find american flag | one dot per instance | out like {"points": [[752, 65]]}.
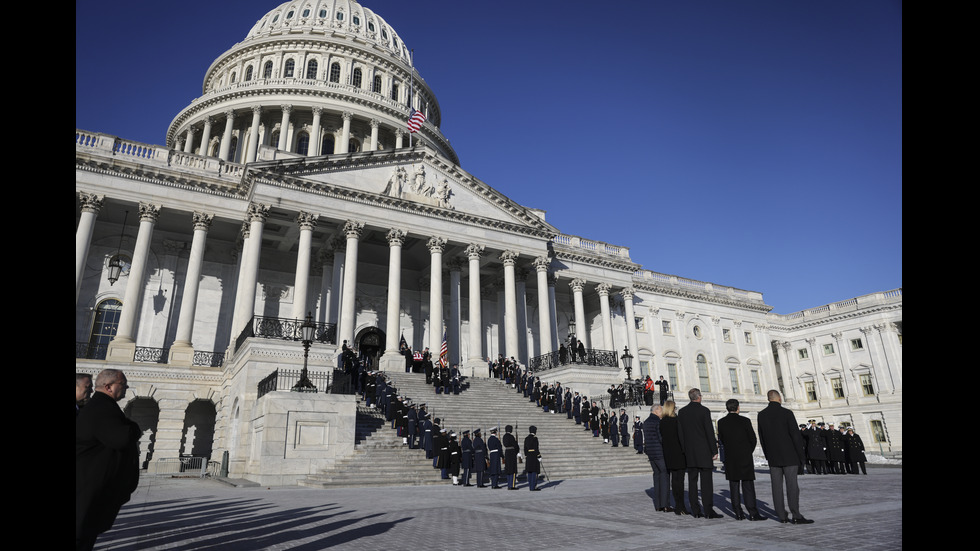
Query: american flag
{"points": [[403, 343], [415, 121], [444, 352]]}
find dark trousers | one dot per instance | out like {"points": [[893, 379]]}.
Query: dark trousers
{"points": [[779, 475], [707, 505], [677, 488], [747, 495], [661, 482]]}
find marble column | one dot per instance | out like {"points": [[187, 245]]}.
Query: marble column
{"points": [[189, 141], [307, 223], [374, 134], [253, 134], [257, 214], [436, 246], [245, 230], [581, 329], [603, 290], [225, 148], [455, 266], [511, 347], [553, 311], [182, 350], [627, 294], [339, 246], [474, 355], [541, 265], [206, 135], [392, 360], [315, 139], [353, 231], [123, 346], [284, 128], [399, 138], [344, 144], [523, 347], [91, 205]]}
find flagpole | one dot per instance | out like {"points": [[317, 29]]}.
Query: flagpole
{"points": [[411, 90]]}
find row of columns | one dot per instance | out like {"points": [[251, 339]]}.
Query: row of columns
{"points": [[224, 150]]}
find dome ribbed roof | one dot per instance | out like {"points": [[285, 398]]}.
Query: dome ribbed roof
{"points": [[330, 17]]}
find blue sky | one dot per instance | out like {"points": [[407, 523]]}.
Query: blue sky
{"points": [[756, 144]]}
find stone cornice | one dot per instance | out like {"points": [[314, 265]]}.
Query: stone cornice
{"points": [[700, 296], [583, 257], [780, 324], [177, 177]]}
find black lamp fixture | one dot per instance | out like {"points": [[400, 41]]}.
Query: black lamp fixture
{"points": [[627, 362], [115, 264], [308, 331]]}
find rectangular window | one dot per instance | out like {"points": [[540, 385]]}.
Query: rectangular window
{"points": [[640, 324], [726, 334], [803, 353], [644, 369], [666, 326], [672, 374], [733, 375], [838, 385], [866, 385], [811, 392], [856, 344], [748, 337], [877, 431], [828, 349], [756, 385]]}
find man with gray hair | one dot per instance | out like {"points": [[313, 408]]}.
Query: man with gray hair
{"points": [[697, 436], [653, 445], [783, 445]]}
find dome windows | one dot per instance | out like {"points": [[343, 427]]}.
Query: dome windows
{"points": [[248, 73], [289, 68], [311, 68], [306, 12], [322, 14], [376, 85], [384, 34], [335, 72], [275, 19], [356, 79], [371, 26], [340, 16], [267, 70], [356, 20], [289, 15], [394, 91]]}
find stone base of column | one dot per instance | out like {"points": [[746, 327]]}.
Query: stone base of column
{"points": [[392, 362], [474, 368], [121, 351], [181, 354]]}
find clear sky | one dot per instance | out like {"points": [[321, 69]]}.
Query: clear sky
{"points": [[750, 143]]}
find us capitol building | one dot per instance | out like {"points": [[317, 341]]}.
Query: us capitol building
{"points": [[291, 187]]}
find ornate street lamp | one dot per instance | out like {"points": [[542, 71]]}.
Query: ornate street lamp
{"points": [[627, 362], [308, 330], [115, 264]]}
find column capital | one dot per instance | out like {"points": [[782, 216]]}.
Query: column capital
{"points": [[395, 237], [628, 293], [91, 202], [246, 230], [603, 289], [202, 220], [149, 212], [436, 245], [229, 115], [257, 212], [347, 116], [307, 220], [399, 132], [577, 284], [256, 110], [374, 123], [191, 131], [286, 108], [542, 263], [474, 251], [353, 229], [509, 258], [317, 110], [208, 121]]}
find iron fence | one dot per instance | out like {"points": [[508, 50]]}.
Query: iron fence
{"points": [[186, 465], [593, 357], [90, 351], [287, 329], [146, 354], [208, 359], [333, 382]]}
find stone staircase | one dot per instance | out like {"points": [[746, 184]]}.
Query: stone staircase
{"points": [[568, 450]]}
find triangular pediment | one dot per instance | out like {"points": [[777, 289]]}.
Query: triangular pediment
{"points": [[413, 180]]}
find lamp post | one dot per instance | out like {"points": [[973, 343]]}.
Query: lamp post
{"points": [[627, 362], [115, 263], [308, 330]]}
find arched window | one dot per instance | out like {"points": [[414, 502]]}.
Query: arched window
{"points": [[267, 70], [290, 66], [703, 379], [104, 328], [311, 67], [326, 148], [303, 144], [376, 86], [340, 16], [233, 76], [353, 146], [394, 91], [356, 20], [248, 73], [335, 72], [357, 78]]}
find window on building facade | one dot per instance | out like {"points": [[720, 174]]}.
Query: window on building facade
{"points": [[697, 332], [289, 15], [866, 385], [356, 79], [335, 72], [733, 376], [640, 324], [311, 68], [803, 353], [104, 328], [666, 327], [672, 374], [353, 146], [303, 144], [703, 380], [756, 385], [376, 85], [356, 20], [644, 369], [340, 16], [290, 68], [306, 12], [233, 75], [856, 344], [248, 73], [326, 148], [748, 337], [370, 26], [267, 70], [828, 349], [811, 391], [394, 91], [323, 13], [726, 334], [838, 386], [877, 431]]}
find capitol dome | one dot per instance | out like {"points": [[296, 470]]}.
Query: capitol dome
{"points": [[311, 77]]}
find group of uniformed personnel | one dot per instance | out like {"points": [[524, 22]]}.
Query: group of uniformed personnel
{"points": [[832, 451]]}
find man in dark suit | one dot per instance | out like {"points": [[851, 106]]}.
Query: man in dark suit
{"points": [[655, 453], [736, 435], [697, 436], [83, 390], [533, 465], [511, 450], [783, 445], [106, 459]]}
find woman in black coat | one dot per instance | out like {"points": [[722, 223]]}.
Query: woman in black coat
{"points": [[855, 451], [674, 455]]}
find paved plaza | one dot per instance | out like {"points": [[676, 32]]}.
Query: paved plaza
{"points": [[613, 513]]}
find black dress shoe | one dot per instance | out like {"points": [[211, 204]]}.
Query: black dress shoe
{"points": [[668, 509], [757, 517], [713, 514], [536, 489], [802, 520], [681, 512], [511, 488], [785, 521], [739, 515], [697, 515]]}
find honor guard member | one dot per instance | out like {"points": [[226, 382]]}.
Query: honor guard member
{"points": [[444, 454], [479, 458], [433, 453], [533, 455], [495, 455], [638, 435], [624, 427], [413, 421], [568, 404], [454, 458], [466, 449], [586, 412], [511, 450], [577, 409]]}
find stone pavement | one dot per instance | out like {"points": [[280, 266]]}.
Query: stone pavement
{"points": [[613, 513]]}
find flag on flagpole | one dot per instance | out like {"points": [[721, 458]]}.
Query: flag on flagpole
{"points": [[415, 121], [402, 344], [444, 352]]}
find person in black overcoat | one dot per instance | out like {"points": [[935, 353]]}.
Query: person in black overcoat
{"points": [[106, 459], [466, 448], [455, 458], [736, 435], [479, 458], [674, 455], [855, 451], [495, 456], [697, 435], [638, 435], [533, 456], [511, 449], [653, 440], [783, 445]]}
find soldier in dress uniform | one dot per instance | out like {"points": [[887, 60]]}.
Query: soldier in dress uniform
{"points": [[466, 450], [455, 458], [413, 420], [624, 427], [444, 454], [495, 455], [533, 455], [577, 408], [479, 458], [855, 448], [511, 450], [568, 404], [835, 449], [638, 435]]}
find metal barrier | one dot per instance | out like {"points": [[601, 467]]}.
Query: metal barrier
{"points": [[188, 466]]}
